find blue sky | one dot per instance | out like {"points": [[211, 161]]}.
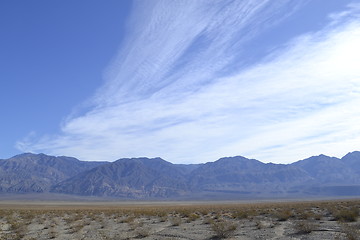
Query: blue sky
{"points": [[189, 81]]}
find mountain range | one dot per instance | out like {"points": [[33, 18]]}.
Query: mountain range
{"points": [[154, 178]]}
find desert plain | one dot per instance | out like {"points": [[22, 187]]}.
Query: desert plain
{"points": [[325, 219]]}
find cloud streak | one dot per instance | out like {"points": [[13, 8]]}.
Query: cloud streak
{"points": [[177, 90]]}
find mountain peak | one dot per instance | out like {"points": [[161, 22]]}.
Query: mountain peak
{"points": [[27, 154], [236, 159], [141, 159], [352, 154]]}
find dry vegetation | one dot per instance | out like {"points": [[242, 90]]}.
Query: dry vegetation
{"points": [[285, 220]]}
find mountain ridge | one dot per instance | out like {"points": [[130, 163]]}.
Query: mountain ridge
{"points": [[155, 178]]}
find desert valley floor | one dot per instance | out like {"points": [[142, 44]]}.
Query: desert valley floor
{"points": [[336, 219]]}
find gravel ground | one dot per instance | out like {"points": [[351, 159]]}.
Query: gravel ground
{"points": [[332, 220]]}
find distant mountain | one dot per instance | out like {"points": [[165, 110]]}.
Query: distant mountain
{"points": [[329, 170], [144, 178], [38, 172], [352, 160], [332, 176], [131, 178], [239, 174]]}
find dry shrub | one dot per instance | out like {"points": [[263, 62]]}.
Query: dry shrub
{"points": [[184, 212], [351, 232], [208, 220], [52, 234], [259, 225], [303, 214], [240, 214], [317, 216], [175, 221], [305, 227], [192, 217], [76, 228], [283, 215], [142, 232], [128, 219], [163, 218], [346, 215], [223, 229]]}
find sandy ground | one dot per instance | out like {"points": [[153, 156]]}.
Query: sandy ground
{"points": [[308, 220]]}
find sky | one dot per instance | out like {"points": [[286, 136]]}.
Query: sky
{"points": [[190, 81]]}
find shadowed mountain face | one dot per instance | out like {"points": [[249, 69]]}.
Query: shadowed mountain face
{"points": [[132, 178], [329, 170], [352, 160], [38, 172], [144, 178], [242, 174]]}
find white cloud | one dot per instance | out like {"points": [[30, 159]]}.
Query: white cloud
{"points": [[164, 99]]}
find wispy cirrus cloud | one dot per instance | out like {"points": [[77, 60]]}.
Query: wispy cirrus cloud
{"points": [[177, 90]]}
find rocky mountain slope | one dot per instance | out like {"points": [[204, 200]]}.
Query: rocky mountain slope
{"points": [[136, 177], [144, 178], [242, 175], [28, 172]]}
